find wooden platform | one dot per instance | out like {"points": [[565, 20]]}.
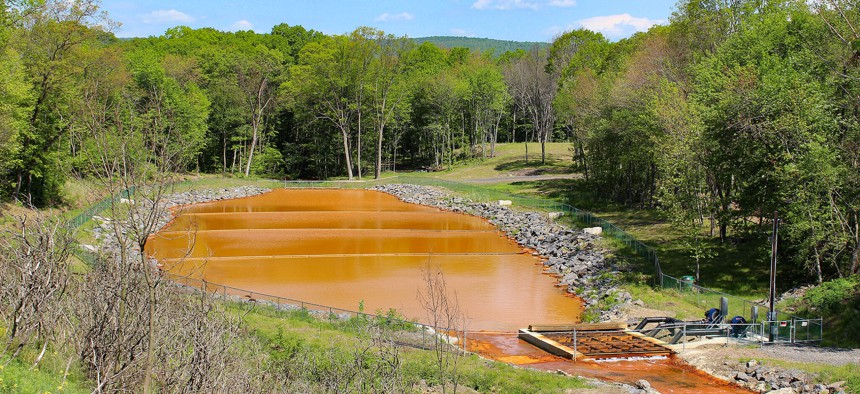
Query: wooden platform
{"points": [[589, 341]]}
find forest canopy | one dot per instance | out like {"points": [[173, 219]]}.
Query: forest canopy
{"points": [[729, 112]]}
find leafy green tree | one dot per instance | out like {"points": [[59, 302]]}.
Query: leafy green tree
{"points": [[172, 114], [321, 84], [49, 38], [839, 47], [258, 74], [486, 97], [388, 86], [682, 189], [533, 85], [15, 103]]}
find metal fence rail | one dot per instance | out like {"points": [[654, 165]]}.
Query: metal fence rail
{"points": [[425, 336], [752, 333]]}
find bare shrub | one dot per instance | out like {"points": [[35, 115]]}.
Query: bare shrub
{"points": [[205, 352], [443, 312], [34, 265], [113, 315]]}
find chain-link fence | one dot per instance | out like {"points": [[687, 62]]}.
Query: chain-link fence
{"points": [[98, 207], [408, 333], [794, 330], [707, 298]]}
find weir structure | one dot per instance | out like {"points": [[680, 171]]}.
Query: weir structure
{"points": [[585, 342]]}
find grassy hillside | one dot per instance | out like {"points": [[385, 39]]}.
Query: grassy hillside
{"points": [[733, 267], [480, 44]]}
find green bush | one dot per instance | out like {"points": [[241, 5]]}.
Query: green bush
{"points": [[830, 296]]}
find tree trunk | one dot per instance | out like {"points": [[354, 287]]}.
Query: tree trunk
{"points": [[259, 105], [378, 171], [344, 132], [223, 154], [527, 146], [855, 254], [495, 135], [713, 223], [543, 150], [818, 265], [514, 128], [251, 151], [479, 133], [358, 142]]}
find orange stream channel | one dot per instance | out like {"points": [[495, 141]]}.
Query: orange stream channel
{"points": [[341, 247], [666, 375]]}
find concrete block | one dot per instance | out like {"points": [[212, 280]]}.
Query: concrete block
{"points": [[593, 230]]}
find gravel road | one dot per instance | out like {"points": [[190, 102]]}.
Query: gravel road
{"points": [[806, 354]]}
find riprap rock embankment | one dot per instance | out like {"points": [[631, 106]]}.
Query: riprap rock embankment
{"points": [[583, 268]]}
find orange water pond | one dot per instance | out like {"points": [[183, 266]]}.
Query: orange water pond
{"points": [[342, 247]]}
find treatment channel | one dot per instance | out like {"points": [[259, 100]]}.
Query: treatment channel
{"points": [[340, 248]]}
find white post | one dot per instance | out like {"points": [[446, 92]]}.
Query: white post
{"points": [[684, 344]]}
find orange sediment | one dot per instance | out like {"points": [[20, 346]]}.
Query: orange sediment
{"points": [[341, 247]]}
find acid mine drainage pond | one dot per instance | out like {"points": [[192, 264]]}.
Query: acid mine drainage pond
{"points": [[340, 248]]}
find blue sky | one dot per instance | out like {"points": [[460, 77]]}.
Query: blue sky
{"points": [[520, 20]]}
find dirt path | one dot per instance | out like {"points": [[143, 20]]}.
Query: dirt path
{"points": [[788, 353]]}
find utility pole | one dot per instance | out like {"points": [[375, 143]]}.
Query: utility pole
{"points": [[771, 315]]}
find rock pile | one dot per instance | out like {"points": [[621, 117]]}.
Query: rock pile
{"points": [[582, 267], [197, 196], [761, 378], [104, 231]]}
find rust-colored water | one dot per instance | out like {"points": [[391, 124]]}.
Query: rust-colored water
{"points": [[666, 375], [341, 247]]}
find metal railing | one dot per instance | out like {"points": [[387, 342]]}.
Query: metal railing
{"points": [[755, 333], [795, 330]]}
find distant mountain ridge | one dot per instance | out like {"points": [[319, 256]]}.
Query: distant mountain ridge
{"points": [[480, 44]]}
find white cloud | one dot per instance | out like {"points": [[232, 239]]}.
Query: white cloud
{"points": [[462, 33], [166, 16], [620, 25], [562, 3], [242, 25], [504, 4], [403, 16]]}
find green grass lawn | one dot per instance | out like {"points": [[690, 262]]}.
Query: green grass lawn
{"points": [[740, 268], [49, 376], [510, 160]]}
